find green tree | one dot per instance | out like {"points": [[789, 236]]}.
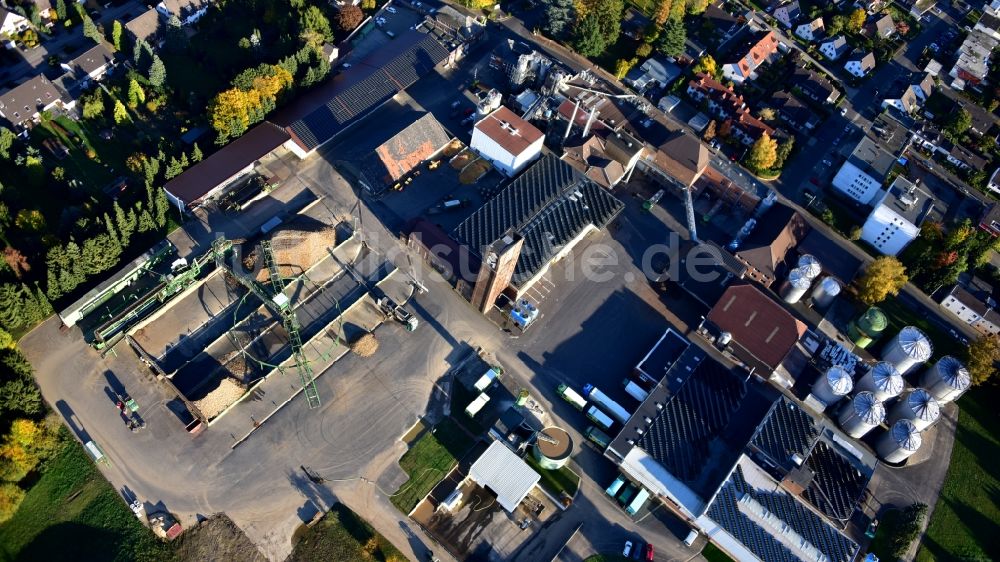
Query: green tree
{"points": [[312, 19], [157, 72], [856, 20], [7, 138], [123, 224], [673, 38], [116, 35], [90, 30], [93, 104], [161, 208], [609, 17], [60, 7], [121, 114], [11, 496], [173, 169], [696, 7], [196, 154], [588, 41], [20, 395], [981, 357], [885, 276], [763, 153], [146, 222], [835, 25], [784, 151], [959, 122], [135, 94], [623, 66], [557, 17]]}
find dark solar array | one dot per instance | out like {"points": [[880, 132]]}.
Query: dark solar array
{"points": [[680, 437], [807, 524], [786, 431], [389, 79], [543, 206], [837, 486]]}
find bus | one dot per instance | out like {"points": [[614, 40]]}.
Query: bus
{"points": [[599, 438]]}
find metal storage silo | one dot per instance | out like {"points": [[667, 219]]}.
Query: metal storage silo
{"points": [[861, 414], [868, 328], [553, 448], [796, 286], [810, 266], [919, 407], [882, 380], [946, 380], [901, 441], [825, 291], [909, 348], [833, 385]]}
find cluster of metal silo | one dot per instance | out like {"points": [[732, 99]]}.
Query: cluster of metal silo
{"points": [[947, 379], [833, 385], [882, 380], [862, 414], [807, 270], [796, 286], [908, 349]]}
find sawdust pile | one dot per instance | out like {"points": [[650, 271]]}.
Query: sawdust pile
{"points": [[296, 250], [365, 346], [228, 392]]}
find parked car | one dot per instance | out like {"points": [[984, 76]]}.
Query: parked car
{"points": [[692, 536], [843, 111], [628, 549], [649, 552]]}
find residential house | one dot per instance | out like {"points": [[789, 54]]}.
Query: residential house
{"points": [[989, 23], [815, 86], [11, 22], [392, 160], [811, 31], [724, 26], [757, 51], [860, 64], [884, 27], [964, 158], [975, 310], [895, 221], [634, 24], [862, 175], [913, 97], [147, 26], [990, 220], [972, 65], [507, 140], [93, 64], [188, 11], [22, 104], [727, 105], [835, 47], [748, 128], [794, 112], [931, 139], [788, 14], [765, 250], [994, 183], [655, 72], [870, 6]]}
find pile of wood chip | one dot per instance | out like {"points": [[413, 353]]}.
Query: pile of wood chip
{"points": [[227, 393]]}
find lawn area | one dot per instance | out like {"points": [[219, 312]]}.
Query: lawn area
{"points": [[556, 481], [429, 460], [713, 554], [72, 513], [342, 535], [965, 524], [606, 557]]}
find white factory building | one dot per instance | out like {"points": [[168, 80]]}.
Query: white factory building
{"points": [[506, 140], [895, 221], [861, 176]]}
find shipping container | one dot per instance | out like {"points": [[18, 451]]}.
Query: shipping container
{"points": [[600, 418], [634, 390], [598, 437], [595, 395], [616, 486], [572, 396]]}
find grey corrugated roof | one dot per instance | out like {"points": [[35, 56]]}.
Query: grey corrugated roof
{"points": [[549, 204], [787, 430], [837, 486], [506, 474]]}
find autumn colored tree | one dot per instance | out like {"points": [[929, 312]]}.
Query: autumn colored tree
{"points": [[981, 357], [349, 17], [662, 12], [709, 132], [884, 277], [623, 66], [763, 153], [120, 113], [726, 129], [856, 20], [706, 65], [11, 496], [16, 261]]}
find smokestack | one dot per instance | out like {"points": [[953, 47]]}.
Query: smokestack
{"points": [[586, 129], [569, 126]]}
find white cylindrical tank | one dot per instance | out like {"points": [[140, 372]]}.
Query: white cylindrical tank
{"points": [[553, 448], [796, 287], [882, 380], [833, 385], [724, 339], [919, 407], [825, 291], [810, 266], [909, 348], [901, 441], [946, 380], [861, 414]]}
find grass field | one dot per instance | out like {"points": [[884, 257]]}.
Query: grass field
{"points": [[72, 513], [965, 524], [713, 554], [429, 460], [555, 481], [342, 535]]}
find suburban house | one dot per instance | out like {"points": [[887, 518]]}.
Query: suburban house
{"points": [[884, 27], [815, 86], [994, 183], [964, 158], [862, 175], [757, 51], [913, 97], [794, 112], [22, 104], [507, 140], [990, 221], [788, 14], [765, 250], [12, 23], [188, 11], [835, 47], [931, 139], [606, 158], [895, 221], [634, 24], [91, 65], [728, 106], [147, 27], [860, 64], [391, 161], [811, 31], [654, 73], [976, 311], [724, 25], [973, 57], [989, 23]]}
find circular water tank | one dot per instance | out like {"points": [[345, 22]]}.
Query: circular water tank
{"points": [[861, 414], [919, 407], [810, 266], [909, 348], [868, 328], [902, 440], [797, 285], [882, 380], [553, 447], [825, 291], [946, 380], [833, 385]]}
